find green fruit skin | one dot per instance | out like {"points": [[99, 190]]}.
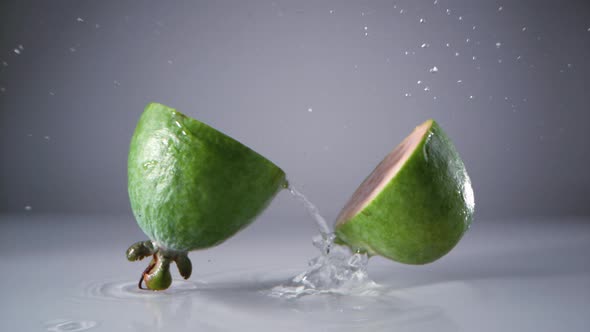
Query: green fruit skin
{"points": [[192, 187], [422, 212]]}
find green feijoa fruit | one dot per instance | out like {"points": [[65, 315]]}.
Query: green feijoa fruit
{"points": [[191, 186], [415, 206]]}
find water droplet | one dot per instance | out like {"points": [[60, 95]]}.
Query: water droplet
{"points": [[435, 2], [366, 28], [433, 69], [456, 53], [422, 20], [498, 44], [499, 60], [467, 40], [448, 45], [28, 208], [434, 97], [310, 110], [419, 82], [518, 57], [51, 93], [523, 29], [184, 133], [177, 124], [473, 28], [79, 19], [73, 49], [17, 51], [426, 88], [474, 58], [424, 45], [569, 65], [448, 12], [407, 94], [406, 52], [401, 11], [588, 30], [331, 11], [500, 8], [460, 18], [366, 34], [459, 81], [150, 164], [47, 138], [96, 26], [2, 89], [471, 97], [170, 62]]}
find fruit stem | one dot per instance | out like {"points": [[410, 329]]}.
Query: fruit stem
{"points": [[157, 275]]}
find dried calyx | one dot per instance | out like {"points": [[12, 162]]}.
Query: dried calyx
{"points": [[157, 275]]}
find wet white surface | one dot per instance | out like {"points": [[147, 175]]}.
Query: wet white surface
{"points": [[70, 274]]}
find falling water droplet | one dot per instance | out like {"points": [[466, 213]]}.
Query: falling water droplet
{"points": [[47, 138], [473, 28], [448, 45], [79, 19], [518, 57], [401, 11], [426, 88], [51, 93], [474, 58], [433, 69], [310, 110], [419, 82], [498, 44], [28, 208], [73, 49], [467, 40], [460, 18], [456, 53], [424, 45], [407, 94], [471, 97], [435, 2], [331, 11], [448, 12], [500, 8], [499, 60], [569, 65], [459, 81], [523, 29], [2, 89], [422, 20]]}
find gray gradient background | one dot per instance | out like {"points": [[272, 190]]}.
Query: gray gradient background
{"points": [[69, 102]]}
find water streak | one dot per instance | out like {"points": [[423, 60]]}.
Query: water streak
{"points": [[336, 270]]}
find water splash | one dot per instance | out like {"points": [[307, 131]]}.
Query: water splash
{"points": [[62, 325], [336, 270]]}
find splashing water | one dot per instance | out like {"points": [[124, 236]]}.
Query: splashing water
{"points": [[336, 270]]}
